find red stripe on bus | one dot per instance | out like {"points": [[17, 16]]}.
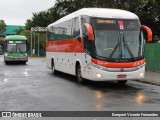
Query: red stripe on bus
{"points": [[68, 45], [118, 65]]}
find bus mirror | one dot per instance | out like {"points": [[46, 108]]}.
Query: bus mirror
{"points": [[149, 32], [90, 31]]}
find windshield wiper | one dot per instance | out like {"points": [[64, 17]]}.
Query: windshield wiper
{"points": [[20, 50], [12, 49], [126, 46], [128, 49], [114, 50]]}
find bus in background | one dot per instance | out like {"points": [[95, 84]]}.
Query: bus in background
{"points": [[15, 49], [1, 50], [98, 44]]}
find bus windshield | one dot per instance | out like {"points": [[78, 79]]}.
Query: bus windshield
{"points": [[118, 39], [20, 47], [0, 48]]}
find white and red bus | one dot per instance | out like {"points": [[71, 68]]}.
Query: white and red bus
{"points": [[98, 44]]}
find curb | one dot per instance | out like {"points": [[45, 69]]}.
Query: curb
{"points": [[37, 57], [147, 82]]}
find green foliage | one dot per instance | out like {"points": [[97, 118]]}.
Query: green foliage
{"points": [[147, 10], [2, 26], [26, 33], [42, 38], [40, 19], [18, 31]]}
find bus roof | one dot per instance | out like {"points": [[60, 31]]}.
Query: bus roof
{"points": [[15, 37], [99, 12]]}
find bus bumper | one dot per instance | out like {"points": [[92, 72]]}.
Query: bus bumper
{"points": [[8, 58], [102, 75]]}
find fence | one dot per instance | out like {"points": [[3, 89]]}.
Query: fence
{"points": [[42, 52], [152, 56]]}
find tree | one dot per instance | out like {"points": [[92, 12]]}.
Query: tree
{"points": [[42, 38], [2, 26], [39, 19], [147, 10], [18, 31]]}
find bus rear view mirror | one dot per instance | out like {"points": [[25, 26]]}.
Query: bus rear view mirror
{"points": [[149, 32], [90, 31]]}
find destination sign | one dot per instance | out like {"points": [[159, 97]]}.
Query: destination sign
{"points": [[106, 21], [11, 42]]}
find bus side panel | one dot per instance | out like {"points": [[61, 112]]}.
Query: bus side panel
{"points": [[85, 62], [63, 62], [66, 62], [68, 45], [62, 52]]}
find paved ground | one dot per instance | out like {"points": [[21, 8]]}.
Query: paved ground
{"points": [[152, 78], [33, 87]]}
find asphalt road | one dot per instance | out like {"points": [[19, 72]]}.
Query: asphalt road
{"points": [[32, 87]]}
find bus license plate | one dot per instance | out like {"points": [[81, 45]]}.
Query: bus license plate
{"points": [[121, 76], [15, 58]]}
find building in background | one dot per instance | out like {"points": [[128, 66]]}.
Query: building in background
{"points": [[12, 29]]}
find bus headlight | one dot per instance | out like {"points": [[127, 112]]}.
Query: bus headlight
{"points": [[141, 75], [26, 54], [98, 75], [5, 54]]}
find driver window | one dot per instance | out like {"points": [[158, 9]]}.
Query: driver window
{"points": [[87, 44]]}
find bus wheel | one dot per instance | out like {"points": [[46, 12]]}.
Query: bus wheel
{"points": [[53, 68], [122, 82], [79, 74]]}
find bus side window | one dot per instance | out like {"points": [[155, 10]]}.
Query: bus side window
{"points": [[76, 28]]}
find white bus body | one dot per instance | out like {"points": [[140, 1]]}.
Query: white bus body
{"points": [[104, 44]]}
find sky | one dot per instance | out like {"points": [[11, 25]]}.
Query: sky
{"points": [[16, 12]]}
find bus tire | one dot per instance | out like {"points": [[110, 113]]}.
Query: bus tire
{"points": [[122, 82], [53, 68], [79, 74]]}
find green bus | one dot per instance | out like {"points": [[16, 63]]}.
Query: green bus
{"points": [[1, 50], [15, 49]]}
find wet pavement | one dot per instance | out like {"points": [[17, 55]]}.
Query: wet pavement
{"points": [[152, 77], [32, 87]]}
